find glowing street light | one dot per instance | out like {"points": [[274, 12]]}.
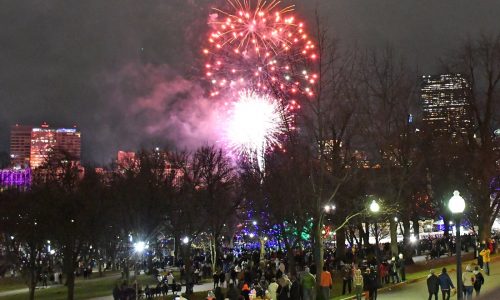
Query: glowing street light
{"points": [[185, 240], [456, 203], [374, 207], [328, 208], [457, 207], [139, 247]]}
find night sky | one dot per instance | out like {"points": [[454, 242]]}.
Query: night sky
{"points": [[124, 71]]}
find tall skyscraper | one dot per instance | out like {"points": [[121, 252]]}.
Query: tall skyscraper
{"points": [[20, 144], [34, 148], [445, 104]]}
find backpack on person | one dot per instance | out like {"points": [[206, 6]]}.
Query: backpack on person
{"points": [[479, 279]]}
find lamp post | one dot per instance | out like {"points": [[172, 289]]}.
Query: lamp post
{"points": [[457, 206], [139, 248], [375, 208]]}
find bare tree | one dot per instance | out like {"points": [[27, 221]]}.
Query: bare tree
{"points": [[217, 196], [479, 60], [330, 122], [389, 85]]}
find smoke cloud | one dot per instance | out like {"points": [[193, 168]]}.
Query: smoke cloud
{"points": [[158, 105]]}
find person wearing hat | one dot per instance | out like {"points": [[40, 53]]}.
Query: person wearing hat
{"points": [[371, 283], [468, 279], [433, 285]]}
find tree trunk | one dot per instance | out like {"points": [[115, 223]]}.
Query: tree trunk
{"points": [[262, 249], [32, 284], [213, 253], [416, 230], [318, 252], [126, 269], [484, 226], [446, 226], [177, 247], [408, 251], [100, 268], [291, 261], [70, 282], [393, 228], [341, 237], [366, 234], [69, 269], [377, 240]]}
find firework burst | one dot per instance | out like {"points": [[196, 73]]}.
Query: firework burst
{"points": [[258, 44], [256, 124]]}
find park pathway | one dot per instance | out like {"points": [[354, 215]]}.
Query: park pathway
{"points": [[418, 290]]}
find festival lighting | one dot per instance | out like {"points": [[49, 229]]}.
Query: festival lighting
{"points": [[259, 44], [256, 123], [15, 177]]}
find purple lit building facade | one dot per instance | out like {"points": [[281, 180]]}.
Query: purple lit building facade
{"points": [[15, 178]]}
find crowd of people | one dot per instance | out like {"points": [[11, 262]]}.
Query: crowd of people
{"points": [[246, 275], [472, 279]]}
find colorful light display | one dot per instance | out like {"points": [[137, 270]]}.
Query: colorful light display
{"points": [[15, 178], [255, 125], [260, 45], [257, 59]]}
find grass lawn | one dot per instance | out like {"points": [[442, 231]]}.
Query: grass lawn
{"points": [[11, 283], [84, 289]]}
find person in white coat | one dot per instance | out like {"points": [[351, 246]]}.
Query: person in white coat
{"points": [[273, 288]]}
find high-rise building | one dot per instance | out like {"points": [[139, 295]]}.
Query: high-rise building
{"points": [[446, 108], [33, 145], [126, 160], [20, 145], [45, 140]]}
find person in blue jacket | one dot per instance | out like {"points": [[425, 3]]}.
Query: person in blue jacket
{"points": [[446, 284]]}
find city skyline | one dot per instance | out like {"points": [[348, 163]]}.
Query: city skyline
{"points": [[31, 146], [80, 73]]}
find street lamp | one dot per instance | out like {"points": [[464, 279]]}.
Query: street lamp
{"points": [[329, 208], [374, 207], [139, 247], [457, 207]]}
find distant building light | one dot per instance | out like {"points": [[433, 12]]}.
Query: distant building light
{"points": [[66, 130]]}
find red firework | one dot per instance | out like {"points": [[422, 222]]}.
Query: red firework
{"points": [[258, 44]]}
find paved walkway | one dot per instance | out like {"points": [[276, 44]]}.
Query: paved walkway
{"points": [[418, 290]]}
